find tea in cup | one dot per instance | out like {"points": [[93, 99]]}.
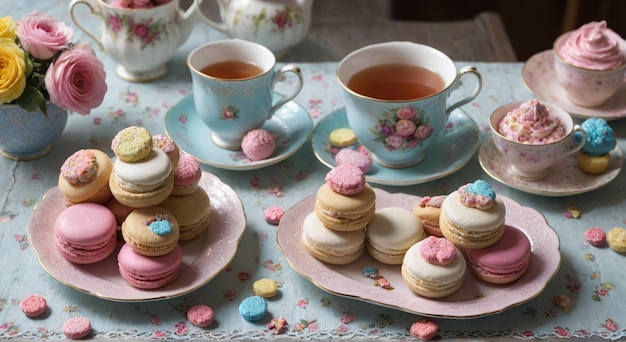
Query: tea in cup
{"points": [[141, 41], [532, 136], [590, 63], [233, 88], [396, 98]]}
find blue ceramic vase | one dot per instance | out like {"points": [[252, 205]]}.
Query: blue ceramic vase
{"points": [[29, 135]]}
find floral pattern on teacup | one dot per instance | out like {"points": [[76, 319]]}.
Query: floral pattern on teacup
{"points": [[229, 113], [401, 128], [282, 19], [147, 32]]}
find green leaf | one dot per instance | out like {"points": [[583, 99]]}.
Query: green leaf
{"points": [[32, 100]]}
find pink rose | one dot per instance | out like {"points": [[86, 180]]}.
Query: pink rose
{"points": [[395, 141], [115, 24], [405, 127], [140, 30], [422, 132], [227, 113], [406, 113], [43, 35], [77, 80]]}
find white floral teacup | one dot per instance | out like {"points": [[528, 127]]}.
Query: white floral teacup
{"points": [[140, 41], [533, 161], [399, 131], [233, 105]]}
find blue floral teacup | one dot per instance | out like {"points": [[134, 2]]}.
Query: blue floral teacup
{"points": [[233, 88], [396, 98]]}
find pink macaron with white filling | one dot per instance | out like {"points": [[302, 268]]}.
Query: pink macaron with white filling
{"points": [[85, 233], [149, 272], [503, 262]]}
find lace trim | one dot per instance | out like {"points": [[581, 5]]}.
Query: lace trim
{"points": [[327, 334]]}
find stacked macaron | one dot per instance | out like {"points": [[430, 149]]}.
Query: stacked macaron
{"points": [[428, 211], [345, 204], [84, 177], [142, 176], [473, 216], [433, 267], [594, 156]]}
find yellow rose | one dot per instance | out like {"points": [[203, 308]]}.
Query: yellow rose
{"points": [[12, 71], [7, 28]]}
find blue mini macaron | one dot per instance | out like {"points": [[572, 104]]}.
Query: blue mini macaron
{"points": [[253, 308]]}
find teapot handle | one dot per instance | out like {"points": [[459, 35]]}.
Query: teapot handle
{"points": [[93, 11], [218, 26]]}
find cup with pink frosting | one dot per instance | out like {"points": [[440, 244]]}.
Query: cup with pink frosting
{"points": [[590, 63], [532, 136]]}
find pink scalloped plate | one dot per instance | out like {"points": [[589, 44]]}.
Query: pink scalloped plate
{"points": [[203, 257], [474, 299]]}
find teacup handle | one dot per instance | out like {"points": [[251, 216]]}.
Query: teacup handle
{"points": [[218, 26], [468, 70], [93, 11], [278, 77], [578, 143]]}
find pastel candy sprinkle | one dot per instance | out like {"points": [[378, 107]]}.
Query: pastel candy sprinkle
{"points": [[437, 251], [370, 271], [80, 167], [160, 225], [478, 195]]}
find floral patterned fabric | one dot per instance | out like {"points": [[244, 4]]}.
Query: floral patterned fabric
{"points": [[591, 280]]}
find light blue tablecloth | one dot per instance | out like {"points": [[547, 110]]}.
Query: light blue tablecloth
{"points": [[593, 278]]}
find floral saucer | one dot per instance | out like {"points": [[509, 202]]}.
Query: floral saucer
{"points": [[539, 77], [564, 178], [291, 124], [453, 148]]}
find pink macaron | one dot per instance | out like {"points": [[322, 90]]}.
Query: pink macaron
{"points": [[346, 179], [149, 272], [77, 327], [187, 175], [200, 315], [258, 144], [362, 159], [85, 233], [503, 262], [33, 306]]}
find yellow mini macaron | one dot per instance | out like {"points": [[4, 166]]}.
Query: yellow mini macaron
{"points": [[132, 144], [342, 137], [616, 238], [266, 288], [593, 164]]}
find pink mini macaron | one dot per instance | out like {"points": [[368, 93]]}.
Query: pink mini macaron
{"points": [[77, 327], [346, 179], [273, 214], [438, 251], [595, 236], [200, 315], [503, 262], [351, 156], [149, 272], [167, 145], [85, 233], [424, 329], [33, 305], [258, 144], [187, 175]]}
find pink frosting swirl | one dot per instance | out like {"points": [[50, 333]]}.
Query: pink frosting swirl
{"points": [[531, 123], [593, 46]]}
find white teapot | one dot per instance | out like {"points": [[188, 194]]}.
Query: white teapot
{"points": [[140, 41], [277, 24]]}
